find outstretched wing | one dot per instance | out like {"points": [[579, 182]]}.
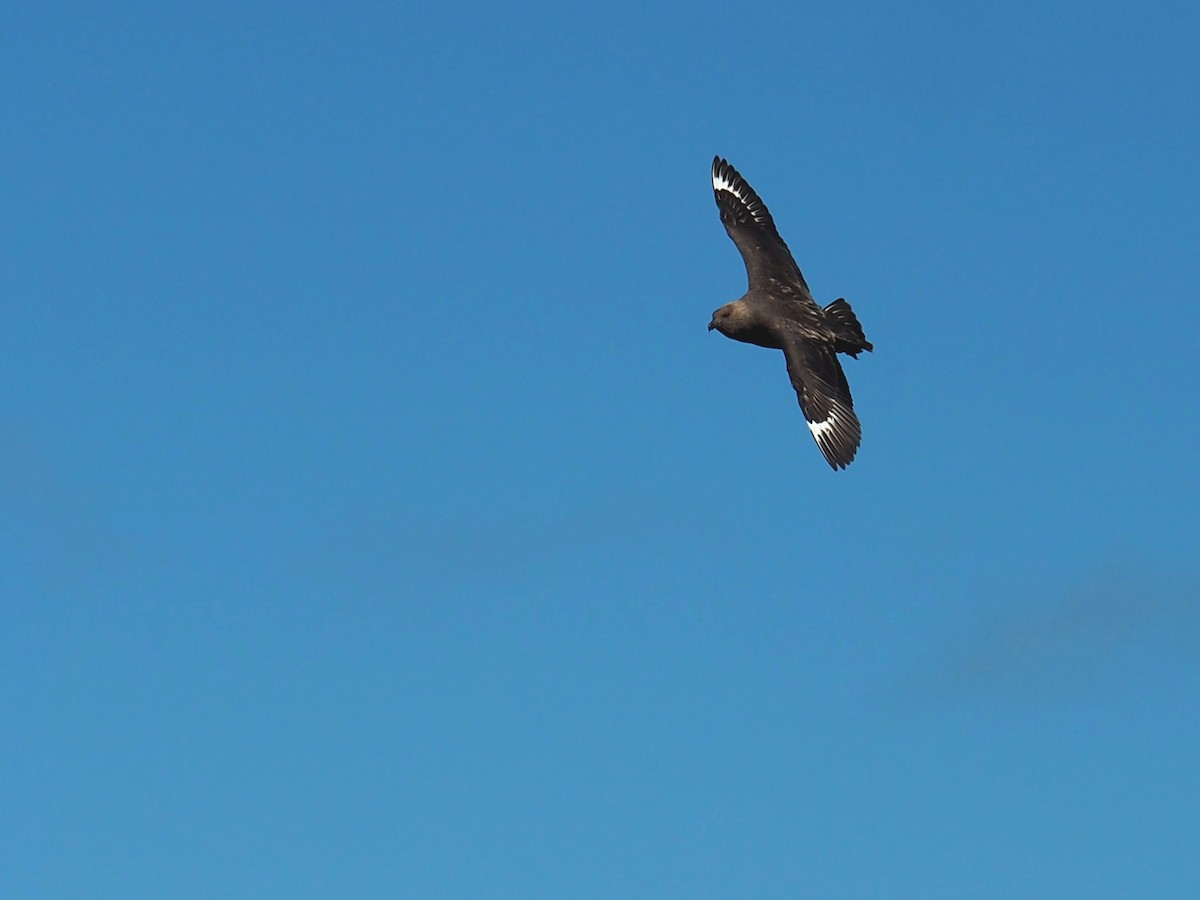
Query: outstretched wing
{"points": [[824, 396], [751, 227]]}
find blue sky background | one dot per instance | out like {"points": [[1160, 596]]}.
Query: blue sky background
{"points": [[378, 519]]}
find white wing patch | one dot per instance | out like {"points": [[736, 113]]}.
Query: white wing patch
{"points": [[748, 200], [824, 429], [837, 435], [720, 184]]}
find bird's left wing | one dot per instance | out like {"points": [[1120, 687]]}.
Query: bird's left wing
{"points": [[752, 229], [824, 396]]}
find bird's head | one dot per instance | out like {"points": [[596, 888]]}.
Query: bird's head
{"points": [[730, 318]]}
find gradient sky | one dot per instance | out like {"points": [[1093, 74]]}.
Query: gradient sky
{"points": [[378, 518]]}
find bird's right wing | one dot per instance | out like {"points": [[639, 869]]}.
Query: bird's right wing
{"points": [[752, 229], [824, 396]]}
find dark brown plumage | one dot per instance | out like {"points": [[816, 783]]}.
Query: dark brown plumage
{"points": [[778, 311]]}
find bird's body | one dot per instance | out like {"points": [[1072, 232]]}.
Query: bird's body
{"points": [[778, 311]]}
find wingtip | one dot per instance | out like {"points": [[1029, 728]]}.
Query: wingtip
{"points": [[838, 435], [725, 176], [746, 206], [839, 458]]}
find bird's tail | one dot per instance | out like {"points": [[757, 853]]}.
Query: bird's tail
{"points": [[848, 334]]}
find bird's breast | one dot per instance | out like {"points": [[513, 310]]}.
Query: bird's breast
{"points": [[761, 335]]}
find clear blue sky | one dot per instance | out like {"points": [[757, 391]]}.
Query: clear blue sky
{"points": [[378, 518]]}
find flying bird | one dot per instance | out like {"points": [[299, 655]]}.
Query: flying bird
{"points": [[778, 311]]}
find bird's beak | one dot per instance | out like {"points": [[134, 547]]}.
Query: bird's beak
{"points": [[712, 324]]}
